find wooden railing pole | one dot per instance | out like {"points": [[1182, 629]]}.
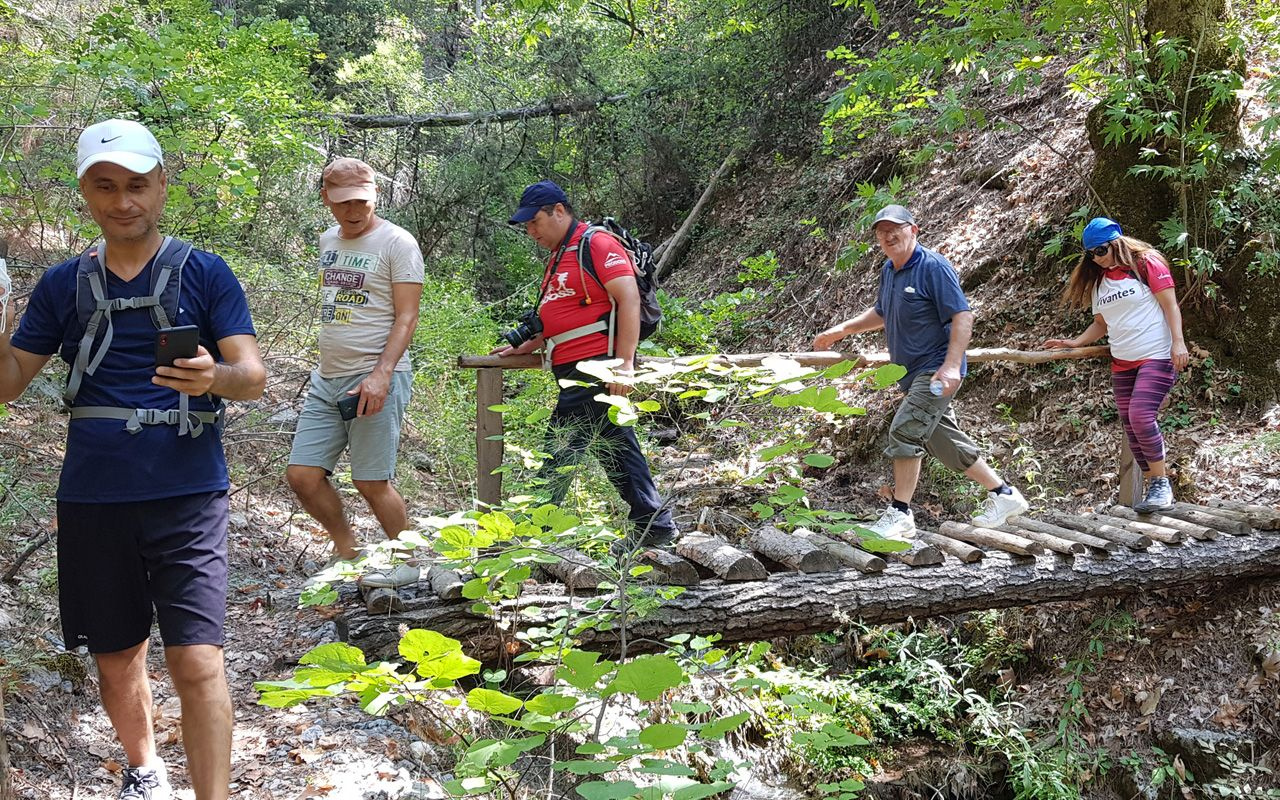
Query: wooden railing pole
{"points": [[488, 436]]}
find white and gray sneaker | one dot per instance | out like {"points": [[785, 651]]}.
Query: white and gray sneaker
{"points": [[997, 508], [145, 783], [1159, 496], [894, 524]]}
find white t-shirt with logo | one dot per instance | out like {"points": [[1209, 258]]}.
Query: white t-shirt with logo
{"points": [[1136, 326], [356, 308]]}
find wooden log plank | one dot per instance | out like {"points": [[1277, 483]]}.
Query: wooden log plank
{"points": [[1238, 517], [1201, 517], [790, 551], [446, 583], [1066, 547], [488, 427], [989, 537], [1264, 518], [575, 570], [1131, 540], [726, 561], [954, 547], [669, 568], [917, 554], [383, 601], [842, 552], [1189, 528], [1160, 533], [1070, 534], [793, 604]]}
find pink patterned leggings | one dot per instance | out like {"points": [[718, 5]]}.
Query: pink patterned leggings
{"points": [[1139, 394]]}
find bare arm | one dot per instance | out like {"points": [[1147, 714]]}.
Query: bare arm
{"points": [[17, 368], [626, 337], [868, 320], [1173, 316], [239, 376], [405, 301], [961, 334], [1096, 330]]}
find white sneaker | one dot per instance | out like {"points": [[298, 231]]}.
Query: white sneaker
{"points": [[392, 577], [999, 507], [145, 783], [893, 524]]}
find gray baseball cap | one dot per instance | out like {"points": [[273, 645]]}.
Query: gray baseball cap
{"points": [[894, 213]]}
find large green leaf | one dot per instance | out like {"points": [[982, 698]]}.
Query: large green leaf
{"points": [[663, 736], [647, 677], [607, 790], [581, 671], [716, 729], [335, 657], [551, 704], [437, 655], [493, 702]]}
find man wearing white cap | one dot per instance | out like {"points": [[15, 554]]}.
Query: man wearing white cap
{"points": [[371, 275], [142, 497]]}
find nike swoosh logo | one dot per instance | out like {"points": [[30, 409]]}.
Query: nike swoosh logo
{"points": [[112, 139]]}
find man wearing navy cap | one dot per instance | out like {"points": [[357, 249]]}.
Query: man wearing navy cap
{"points": [[927, 322], [142, 497], [585, 318]]}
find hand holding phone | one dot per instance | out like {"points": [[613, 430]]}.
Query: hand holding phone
{"points": [[175, 343], [348, 406]]}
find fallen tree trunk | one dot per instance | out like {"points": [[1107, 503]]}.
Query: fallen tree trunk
{"points": [[793, 604], [669, 251]]}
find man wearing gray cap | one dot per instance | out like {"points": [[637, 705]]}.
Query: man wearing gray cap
{"points": [[142, 496], [927, 322]]}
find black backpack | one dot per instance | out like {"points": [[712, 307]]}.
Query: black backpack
{"points": [[646, 269]]}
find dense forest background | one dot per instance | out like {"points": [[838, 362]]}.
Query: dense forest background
{"points": [[776, 129]]}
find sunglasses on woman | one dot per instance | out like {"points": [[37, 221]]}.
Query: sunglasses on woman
{"points": [[1100, 250]]}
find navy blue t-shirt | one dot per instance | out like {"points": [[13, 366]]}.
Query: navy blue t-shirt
{"points": [[104, 463], [917, 303]]}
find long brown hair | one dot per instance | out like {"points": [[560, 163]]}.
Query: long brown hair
{"points": [[1128, 252]]}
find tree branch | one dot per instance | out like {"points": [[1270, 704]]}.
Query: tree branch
{"points": [[462, 118]]}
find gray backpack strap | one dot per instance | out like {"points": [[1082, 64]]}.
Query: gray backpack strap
{"points": [[135, 418]]}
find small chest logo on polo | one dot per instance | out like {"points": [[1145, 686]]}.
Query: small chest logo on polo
{"points": [[909, 290], [1119, 294], [559, 288]]}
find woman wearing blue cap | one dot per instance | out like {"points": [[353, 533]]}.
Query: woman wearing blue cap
{"points": [[1128, 285]]}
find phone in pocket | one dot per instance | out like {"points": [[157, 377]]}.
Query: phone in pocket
{"points": [[348, 406], [173, 343]]}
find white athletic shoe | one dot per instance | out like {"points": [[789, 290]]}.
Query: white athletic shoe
{"points": [[145, 783], [391, 578], [893, 524], [999, 507]]}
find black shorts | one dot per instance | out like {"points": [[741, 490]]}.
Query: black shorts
{"points": [[118, 561]]}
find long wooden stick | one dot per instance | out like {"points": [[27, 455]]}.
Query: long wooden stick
{"points": [[824, 358]]}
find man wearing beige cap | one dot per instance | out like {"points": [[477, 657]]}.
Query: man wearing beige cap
{"points": [[142, 495], [371, 275]]}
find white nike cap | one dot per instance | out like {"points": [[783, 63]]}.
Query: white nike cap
{"points": [[118, 141]]}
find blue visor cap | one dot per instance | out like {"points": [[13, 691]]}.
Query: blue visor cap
{"points": [[1100, 230], [535, 196]]}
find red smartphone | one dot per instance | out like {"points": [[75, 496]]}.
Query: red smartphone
{"points": [[173, 343]]}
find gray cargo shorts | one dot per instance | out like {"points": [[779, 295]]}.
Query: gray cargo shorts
{"points": [[926, 424]]}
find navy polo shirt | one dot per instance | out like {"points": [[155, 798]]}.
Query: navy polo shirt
{"points": [[917, 303], [104, 463]]}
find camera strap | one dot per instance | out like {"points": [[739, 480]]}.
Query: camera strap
{"points": [[555, 262]]}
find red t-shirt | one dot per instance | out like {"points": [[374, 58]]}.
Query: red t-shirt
{"points": [[572, 299]]}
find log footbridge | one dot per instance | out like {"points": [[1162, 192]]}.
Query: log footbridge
{"points": [[775, 584]]}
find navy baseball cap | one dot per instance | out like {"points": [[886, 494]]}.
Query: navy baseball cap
{"points": [[894, 213], [1100, 230], [535, 196]]}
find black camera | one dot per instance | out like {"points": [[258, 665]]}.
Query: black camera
{"points": [[529, 326]]}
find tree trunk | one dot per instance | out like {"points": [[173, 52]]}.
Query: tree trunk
{"points": [[794, 604]]}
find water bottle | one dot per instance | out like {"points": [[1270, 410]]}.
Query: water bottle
{"points": [[937, 387]]}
